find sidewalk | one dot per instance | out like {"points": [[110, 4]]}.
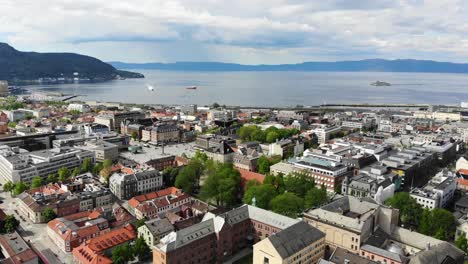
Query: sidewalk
{"points": [[241, 254]]}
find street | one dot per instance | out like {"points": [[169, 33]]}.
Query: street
{"points": [[35, 234]]}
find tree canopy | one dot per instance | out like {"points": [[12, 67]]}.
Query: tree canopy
{"points": [[170, 175], [63, 174], [462, 243], [315, 197], [410, 210], [264, 163], [222, 185], [299, 184], [87, 165], [36, 182], [48, 214], [263, 195], [19, 188], [287, 204], [269, 135], [10, 224], [438, 223]]}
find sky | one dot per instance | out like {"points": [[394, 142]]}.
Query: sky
{"points": [[240, 31]]}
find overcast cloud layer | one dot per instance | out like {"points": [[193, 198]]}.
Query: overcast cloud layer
{"points": [[243, 31]]}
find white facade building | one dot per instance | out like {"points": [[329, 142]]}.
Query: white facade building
{"points": [[83, 108], [323, 132], [438, 193], [17, 165]]}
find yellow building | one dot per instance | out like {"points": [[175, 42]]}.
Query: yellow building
{"points": [[299, 243], [349, 221]]}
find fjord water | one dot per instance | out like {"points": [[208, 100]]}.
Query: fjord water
{"points": [[274, 88]]}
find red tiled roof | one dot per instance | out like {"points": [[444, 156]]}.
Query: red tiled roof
{"points": [[135, 201], [250, 175], [463, 171], [85, 255], [47, 189], [112, 239]]}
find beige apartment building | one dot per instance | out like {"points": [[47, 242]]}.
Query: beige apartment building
{"points": [[349, 221], [299, 243]]}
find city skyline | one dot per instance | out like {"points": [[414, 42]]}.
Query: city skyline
{"points": [[247, 32]]}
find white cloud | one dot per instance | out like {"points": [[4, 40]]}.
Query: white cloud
{"points": [[253, 31]]}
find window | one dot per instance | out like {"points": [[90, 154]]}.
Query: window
{"points": [[266, 260]]}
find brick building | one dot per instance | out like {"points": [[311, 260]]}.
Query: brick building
{"points": [[218, 237], [97, 249], [70, 231]]}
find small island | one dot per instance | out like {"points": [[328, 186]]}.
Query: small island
{"points": [[379, 83]]}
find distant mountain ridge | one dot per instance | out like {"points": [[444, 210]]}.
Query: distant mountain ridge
{"points": [[370, 65], [18, 66]]}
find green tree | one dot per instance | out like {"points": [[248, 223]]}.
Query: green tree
{"points": [[298, 183], [287, 204], [315, 197], [63, 174], [263, 164], [36, 182], [462, 243], [272, 136], [263, 195], [75, 172], [170, 175], [97, 168], [222, 185], [140, 249], [251, 183], [10, 224], [20, 187], [8, 186], [275, 159], [48, 214], [134, 135], [410, 210], [139, 223], [107, 163], [51, 178], [121, 254], [200, 156], [74, 112], [277, 181], [12, 124], [86, 166], [438, 223], [186, 180]]}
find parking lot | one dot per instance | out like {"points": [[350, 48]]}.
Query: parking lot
{"points": [[150, 152], [35, 234]]}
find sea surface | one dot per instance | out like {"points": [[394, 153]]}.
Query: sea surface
{"points": [[273, 88]]}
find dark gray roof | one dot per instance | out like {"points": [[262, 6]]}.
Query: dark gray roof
{"points": [[159, 226], [340, 255], [295, 238], [463, 202], [443, 253]]}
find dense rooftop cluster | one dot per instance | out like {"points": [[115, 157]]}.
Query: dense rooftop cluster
{"points": [[114, 183]]}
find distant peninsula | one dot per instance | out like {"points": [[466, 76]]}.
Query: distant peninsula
{"points": [[371, 65], [19, 67]]}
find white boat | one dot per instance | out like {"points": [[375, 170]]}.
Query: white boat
{"points": [[150, 88]]}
